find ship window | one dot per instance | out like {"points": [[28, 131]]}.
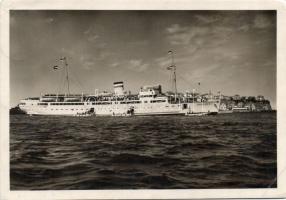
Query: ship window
{"points": [[145, 101], [157, 101], [43, 104]]}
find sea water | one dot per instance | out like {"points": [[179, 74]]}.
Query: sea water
{"points": [[235, 150]]}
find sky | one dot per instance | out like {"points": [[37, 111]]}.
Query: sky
{"points": [[233, 52]]}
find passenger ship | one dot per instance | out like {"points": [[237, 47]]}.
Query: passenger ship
{"points": [[149, 101]]}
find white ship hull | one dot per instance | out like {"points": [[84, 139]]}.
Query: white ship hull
{"points": [[66, 110], [119, 110]]}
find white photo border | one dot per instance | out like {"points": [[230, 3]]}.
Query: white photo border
{"points": [[7, 5]]}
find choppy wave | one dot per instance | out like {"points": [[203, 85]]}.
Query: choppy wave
{"points": [[224, 151]]}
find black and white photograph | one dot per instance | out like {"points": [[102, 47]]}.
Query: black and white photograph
{"points": [[142, 99]]}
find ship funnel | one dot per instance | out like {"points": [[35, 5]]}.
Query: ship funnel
{"points": [[118, 88]]}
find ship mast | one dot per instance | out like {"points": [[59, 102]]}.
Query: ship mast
{"points": [[173, 68], [67, 73]]}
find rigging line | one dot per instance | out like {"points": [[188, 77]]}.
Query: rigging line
{"points": [[170, 81], [187, 81], [62, 84], [59, 81], [77, 80], [60, 87], [74, 78], [75, 84], [170, 84], [193, 85], [64, 59]]}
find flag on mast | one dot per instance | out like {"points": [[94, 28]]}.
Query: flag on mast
{"points": [[170, 67], [56, 67]]}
